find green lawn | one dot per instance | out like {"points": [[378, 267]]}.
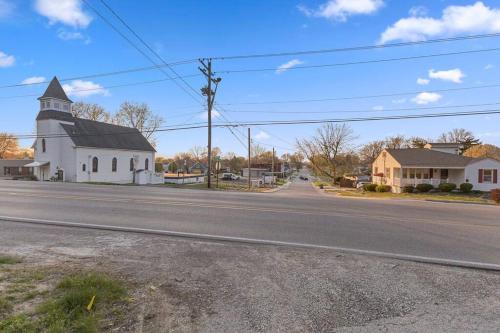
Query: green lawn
{"points": [[79, 303], [476, 198]]}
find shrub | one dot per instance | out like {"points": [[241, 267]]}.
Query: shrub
{"points": [[424, 187], [408, 189], [383, 188], [447, 187], [466, 187], [370, 187]]}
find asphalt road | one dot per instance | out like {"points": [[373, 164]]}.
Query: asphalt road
{"points": [[298, 214]]}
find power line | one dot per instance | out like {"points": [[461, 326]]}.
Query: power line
{"points": [[115, 14], [108, 87], [253, 70], [135, 46], [357, 48], [104, 74], [362, 111], [363, 96], [285, 122]]}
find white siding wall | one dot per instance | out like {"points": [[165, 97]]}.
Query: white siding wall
{"points": [[472, 173], [123, 175], [59, 151]]}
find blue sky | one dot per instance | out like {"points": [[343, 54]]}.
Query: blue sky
{"points": [[43, 38]]}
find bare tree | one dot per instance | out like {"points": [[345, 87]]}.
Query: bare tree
{"points": [[325, 149], [8, 145], [257, 150], [139, 116], [199, 153], [369, 152], [397, 142], [418, 142], [90, 111], [460, 135]]}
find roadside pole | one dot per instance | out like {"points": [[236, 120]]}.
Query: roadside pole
{"points": [[249, 170], [207, 91], [272, 171]]}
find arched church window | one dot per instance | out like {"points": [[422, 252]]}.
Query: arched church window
{"points": [[131, 164], [44, 146], [146, 164], [114, 163], [95, 164], [84, 167]]}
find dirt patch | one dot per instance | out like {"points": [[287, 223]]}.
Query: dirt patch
{"points": [[178, 285]]}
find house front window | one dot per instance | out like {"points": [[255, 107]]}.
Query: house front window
{"points": [[84, 167], [487, 176], [388, 172]]}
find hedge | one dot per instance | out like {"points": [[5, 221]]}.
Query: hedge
{"points": [[383, 188], [466, 187], [408, 189], [447, 187], [424, 187], [370, 187]]}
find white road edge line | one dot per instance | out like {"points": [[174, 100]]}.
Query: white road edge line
{"points": [[421, 259]]}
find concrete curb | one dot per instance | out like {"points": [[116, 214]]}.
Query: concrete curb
{"points": [[208, 237]]}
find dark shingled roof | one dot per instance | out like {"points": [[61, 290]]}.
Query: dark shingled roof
{"points": [[95, 134], [428, 158], [54, 90], [57, 115]]}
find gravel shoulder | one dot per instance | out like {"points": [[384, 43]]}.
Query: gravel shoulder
{"points": [[181, 285]]}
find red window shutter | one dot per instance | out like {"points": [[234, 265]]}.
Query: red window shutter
{"points": [[480, 177], [495, 176]]}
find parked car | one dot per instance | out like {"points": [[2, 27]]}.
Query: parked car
{"points": [[360, 184], [230, 176]]}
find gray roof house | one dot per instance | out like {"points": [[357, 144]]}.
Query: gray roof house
{"points": [[434, 165]]}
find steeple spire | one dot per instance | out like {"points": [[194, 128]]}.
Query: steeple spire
{"points": [[55, 90]]}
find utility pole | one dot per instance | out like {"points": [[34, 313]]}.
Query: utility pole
{"points": [[272, 170], [249, 156], [207, 91]]}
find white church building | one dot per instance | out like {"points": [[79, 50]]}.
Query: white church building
{"points": [[80, 150]]}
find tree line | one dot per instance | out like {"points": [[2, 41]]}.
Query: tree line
{"points": [[332, 152]]}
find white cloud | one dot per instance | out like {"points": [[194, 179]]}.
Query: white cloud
{"points": [[82, 88], [261, 136], [33, 80], [489, 66], [418, 11], [476, 18], [68, 12], [6, 60], [73, 35], [453, 75], [286, 66], [340, 10], [6, 8], [215, 114], [426, 98], [399, 101], [378, 108], [423, 81]]}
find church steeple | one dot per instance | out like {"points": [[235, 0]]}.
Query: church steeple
{"points": [[54, 98]]}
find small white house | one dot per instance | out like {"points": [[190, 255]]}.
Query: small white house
{"points": [[80, 150], [434, 165]]}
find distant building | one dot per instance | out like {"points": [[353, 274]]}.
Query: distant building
{"points": [[255, 172], [80, 150], [15, 168]]}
